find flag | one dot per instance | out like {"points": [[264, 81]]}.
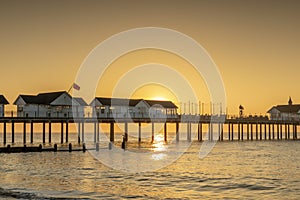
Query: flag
{"points": [[76, 87]]}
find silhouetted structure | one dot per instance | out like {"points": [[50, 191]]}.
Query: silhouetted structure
{"points": [[285, 112], [3, 102]]}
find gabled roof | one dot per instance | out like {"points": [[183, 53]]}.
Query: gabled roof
{"points": [[165, 104], [132, 102], [41, 98], [80, 101], [287, 108], [3, 100], [117, 101]]}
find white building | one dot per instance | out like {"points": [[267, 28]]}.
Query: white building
{"points": [[132, 108], [289, 112], [53, 104], [3, 102]]}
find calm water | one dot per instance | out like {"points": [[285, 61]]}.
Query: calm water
{"points": [[233, 170]]}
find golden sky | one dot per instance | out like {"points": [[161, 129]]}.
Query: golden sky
{"points": [[255, 45]]}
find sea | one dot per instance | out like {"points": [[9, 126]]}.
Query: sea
{"points": [[231, 170]]}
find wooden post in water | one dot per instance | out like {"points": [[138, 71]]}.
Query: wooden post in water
{"points": [[24, 132], [242, 126], [12, 132], [152, 132], [44, 132], [265, 125], [4, 133], [285, 131], [126, 131], [232, 131], [165, 132], [177, 131], [67, 131], [251, 126], [247, 130], [112, 132], [277, 131], [187, 131], [221, 127], [31, 132], [211, 131], [228, 131], [98, 132], [269, 131], [79, 129], [256, 132], [239, 131], [289, 131], [281, 131], [273, 131], [62, 132], [296, 131], [82, 132], [199, 131], [260, 131], [50, 131], [140, 132], [95, 132]]}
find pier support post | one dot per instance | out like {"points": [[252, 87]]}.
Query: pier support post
{"points": [[79, 128], [289, 132], [211, 131], [273, 131], [24, 132], [62, 132], [277, 131], [242, 133], [239, 131], [98, 132], [67, 131], [256, 132], [269, 131], [296, 131], [82, 132], [140, 132], [4, 133], [247, 131], [265, 125], [232, 131], [126, 132], [285, 131], [165, 132], [31, 132], [199, 131], [177, 131], [260, 131], [44, 132], [95, 132], [281, 131], [188, 132], [50, 132], [12, 132], [251, 127], [152, 132], [112, 132], [228, 131]]}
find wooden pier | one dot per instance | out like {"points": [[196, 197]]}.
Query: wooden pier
{"points": [[238, 129]]}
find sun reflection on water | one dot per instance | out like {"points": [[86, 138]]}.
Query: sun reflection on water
{"points": [[159, 147]]}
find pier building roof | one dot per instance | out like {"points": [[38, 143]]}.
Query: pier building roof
{"points": [[3, 100]]}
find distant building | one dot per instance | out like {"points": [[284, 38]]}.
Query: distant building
{"points": [[53, 104], [3, 102], [132, 108], [290, 112]]}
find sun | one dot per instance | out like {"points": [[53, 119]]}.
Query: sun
{"points": [[160, 98]]}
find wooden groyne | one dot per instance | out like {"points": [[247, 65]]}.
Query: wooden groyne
{"points": [[238, 129]]}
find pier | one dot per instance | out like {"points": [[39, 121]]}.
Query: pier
{"points": [[238, 129]]}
